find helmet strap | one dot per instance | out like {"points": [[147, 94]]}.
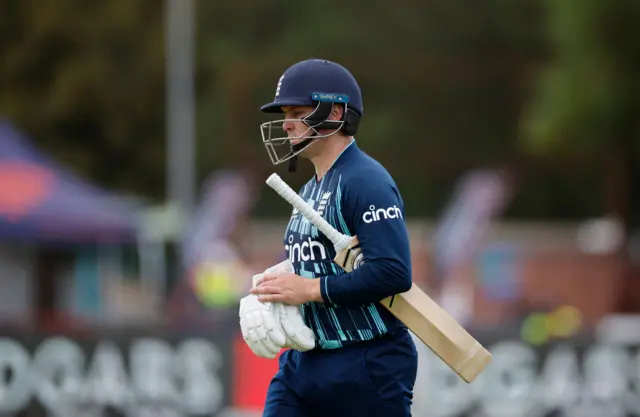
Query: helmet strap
{"points": [[293, 164], [293, 161], [319, 119]]}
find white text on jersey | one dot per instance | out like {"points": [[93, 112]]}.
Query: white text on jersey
{"points": [[308, 250], [374, 215]]}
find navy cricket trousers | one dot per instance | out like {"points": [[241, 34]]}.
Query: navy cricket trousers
{"points": [[369, 379]]}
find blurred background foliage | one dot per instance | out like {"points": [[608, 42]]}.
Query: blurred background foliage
{"points": [[448, 86], [586, 103]]}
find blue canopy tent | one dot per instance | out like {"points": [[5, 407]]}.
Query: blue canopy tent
{"points": [[41, 201], [45, 205]]}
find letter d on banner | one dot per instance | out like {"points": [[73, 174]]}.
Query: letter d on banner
{"points": [[15, 393]]}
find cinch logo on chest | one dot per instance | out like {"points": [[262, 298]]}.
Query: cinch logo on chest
{"points": [[307, 250]]}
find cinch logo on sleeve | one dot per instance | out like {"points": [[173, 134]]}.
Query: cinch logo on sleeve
{"points": [[308, 250], [374, 215]]}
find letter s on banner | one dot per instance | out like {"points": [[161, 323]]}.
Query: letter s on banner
{"points": [[199, 361], [151, 369]]}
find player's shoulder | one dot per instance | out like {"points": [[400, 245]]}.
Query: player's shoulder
{"points": [[362, 169]]}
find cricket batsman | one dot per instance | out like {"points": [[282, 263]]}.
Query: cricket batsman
{"points": [[346, 356]]}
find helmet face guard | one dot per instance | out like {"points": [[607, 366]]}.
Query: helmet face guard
{"points": [[281, 147], [319, 84]]}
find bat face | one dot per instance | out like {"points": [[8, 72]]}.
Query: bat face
{"points": [[350, 257]]}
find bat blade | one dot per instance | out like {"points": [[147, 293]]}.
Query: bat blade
{"points": [[444, 336]]}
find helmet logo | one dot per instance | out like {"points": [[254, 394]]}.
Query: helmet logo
{"points": [[279, 85]]}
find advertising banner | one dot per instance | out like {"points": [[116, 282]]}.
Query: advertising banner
{"points": [[566, 378], [114, 374], [146, 373]]}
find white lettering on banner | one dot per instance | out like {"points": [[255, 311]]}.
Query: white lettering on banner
{"points": [[14, 392], [603, 381], [308, 250], [374, 215], [56, 374], [107, 379], [151, 362], [164, 381], [201, 360]]}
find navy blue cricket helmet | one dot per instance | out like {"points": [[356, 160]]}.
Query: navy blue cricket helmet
{"points": [[318, 83]]}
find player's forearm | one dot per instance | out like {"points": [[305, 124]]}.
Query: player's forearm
{"points": [[370, 283]]}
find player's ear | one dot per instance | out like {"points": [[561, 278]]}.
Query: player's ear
{"points": [[336, 112]]}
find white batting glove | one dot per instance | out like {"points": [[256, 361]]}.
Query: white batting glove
{"points": [[260, 330], [298, 335], [284, 266]]}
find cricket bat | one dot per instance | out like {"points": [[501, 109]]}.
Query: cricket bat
{"points": [[444, 336]]}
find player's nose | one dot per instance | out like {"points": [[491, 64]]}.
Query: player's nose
{"points": [[287, 126]]}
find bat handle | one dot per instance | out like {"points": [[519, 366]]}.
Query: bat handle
{"points": [[338, 239]]}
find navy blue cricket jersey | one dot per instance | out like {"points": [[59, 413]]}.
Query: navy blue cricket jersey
{"points": [[359, 198]]}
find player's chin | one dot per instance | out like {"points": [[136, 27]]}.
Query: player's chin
{"points": [[295, 140]]}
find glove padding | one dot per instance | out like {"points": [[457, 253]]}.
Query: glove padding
{"points": [[269, 327], [298, 335], [260, 330]]}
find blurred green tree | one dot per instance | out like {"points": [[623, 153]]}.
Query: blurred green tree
{"points": [[587, 103], [588, 106], [443, 81], [85, 78]]}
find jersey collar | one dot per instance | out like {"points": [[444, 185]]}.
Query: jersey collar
{"points": [[351, 147]]}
